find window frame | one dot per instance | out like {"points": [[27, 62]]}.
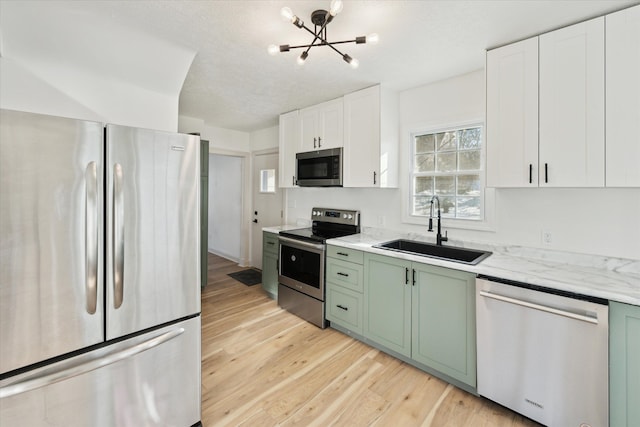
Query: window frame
{"points": [[487, 196]]}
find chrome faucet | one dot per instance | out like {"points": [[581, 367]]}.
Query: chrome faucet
{"points": [[439, 238]]}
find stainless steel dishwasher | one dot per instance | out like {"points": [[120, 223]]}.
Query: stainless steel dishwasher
{"points": [[543, 353]]}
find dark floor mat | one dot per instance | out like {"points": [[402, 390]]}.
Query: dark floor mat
{"points": [[249, 276]]}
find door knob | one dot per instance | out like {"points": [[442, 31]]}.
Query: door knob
{"points": [[255, 221]]}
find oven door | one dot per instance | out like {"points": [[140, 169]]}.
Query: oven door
{"points": [[301, 266]]}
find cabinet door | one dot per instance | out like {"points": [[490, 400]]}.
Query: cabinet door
{"points": [[512, 115], [288, 147], [331, 124], [270, 273], [623, 98], [388, 302], [443, 308], [624, 364], [571, 145], [362, 138], [309, 129]]}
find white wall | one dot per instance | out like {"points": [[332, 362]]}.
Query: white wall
{"points": [[225, 206], [592, 221], [265, 138]]}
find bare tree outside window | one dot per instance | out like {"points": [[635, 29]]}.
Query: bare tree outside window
{"points": [[448, 164]]}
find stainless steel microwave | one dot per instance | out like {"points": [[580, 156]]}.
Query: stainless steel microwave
{"points": [[321, 168]]}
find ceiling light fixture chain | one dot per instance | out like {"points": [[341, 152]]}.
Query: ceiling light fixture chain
{"points": [[320, 18]]}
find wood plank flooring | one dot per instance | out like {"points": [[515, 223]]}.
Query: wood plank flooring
{"points": [[262, 366]]}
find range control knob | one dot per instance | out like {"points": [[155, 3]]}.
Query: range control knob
{"points": [[344, 216], [350, 216]]}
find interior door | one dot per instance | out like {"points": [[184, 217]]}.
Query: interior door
{"points": [[153, 228], [51, 227], [267, 201]]}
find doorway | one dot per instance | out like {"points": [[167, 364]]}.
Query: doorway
{"points": [[267, 200]]}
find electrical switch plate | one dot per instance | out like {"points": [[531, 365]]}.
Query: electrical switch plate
{"points": [[546, 237]]}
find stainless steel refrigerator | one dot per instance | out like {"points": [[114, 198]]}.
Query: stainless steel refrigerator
{"points": [[99, 274]]}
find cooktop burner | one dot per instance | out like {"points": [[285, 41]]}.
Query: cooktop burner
{"points": [[327, 224]]}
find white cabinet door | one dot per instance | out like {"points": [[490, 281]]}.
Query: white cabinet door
{"points": [[362, 138], [512, 115], [331, 118], [571, 146], [321, 126], [289, 140], [623, 98]]}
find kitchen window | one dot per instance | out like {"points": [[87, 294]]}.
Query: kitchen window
{"points": [[448, 164]]}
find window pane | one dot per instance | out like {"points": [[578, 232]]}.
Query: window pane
{"points": [[469, 185], [469, 160], [425, 163], [423, 185], [468, 207], [445, 185], [421, 205], [267, 181], [470, 138], [446, 162], [446, 141], [425, 143], [447, 206]]}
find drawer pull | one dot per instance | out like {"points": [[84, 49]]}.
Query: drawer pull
{"points": [[342, 307], [339, 273], [342, 253], [271, 243]]}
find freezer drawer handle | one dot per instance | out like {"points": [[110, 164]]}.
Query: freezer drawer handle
{"points": [[118, 237], [84, 367], [544, 308], [91, 237]]}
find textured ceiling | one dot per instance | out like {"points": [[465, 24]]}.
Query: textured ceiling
{"points": [[234, 83]]}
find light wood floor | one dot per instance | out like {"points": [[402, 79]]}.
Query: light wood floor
{"points": [[262, 366]]}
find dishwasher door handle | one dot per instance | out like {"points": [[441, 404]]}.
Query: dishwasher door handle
{"points": [[544, 308]]}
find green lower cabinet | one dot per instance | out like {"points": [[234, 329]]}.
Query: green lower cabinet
{"points": [[270, 264], [624, 365], [443, 321], [423, 312], [387, 312], [344, 307]]}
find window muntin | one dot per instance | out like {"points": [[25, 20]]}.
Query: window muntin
{"points": [[448, 164]]}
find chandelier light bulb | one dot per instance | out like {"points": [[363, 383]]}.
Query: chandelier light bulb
{"points": [[354, 63], [373, 38], [336, 7], [286, 14], [302, 58], [273, 49]]}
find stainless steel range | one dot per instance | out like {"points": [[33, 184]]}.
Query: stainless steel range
{"points": [[302, 260]]}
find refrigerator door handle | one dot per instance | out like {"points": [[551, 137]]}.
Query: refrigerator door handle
{"points": [[88, 366], [91, 237], [118, 236]]}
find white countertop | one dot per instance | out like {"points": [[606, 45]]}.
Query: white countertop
{"points": [[609, 278]]}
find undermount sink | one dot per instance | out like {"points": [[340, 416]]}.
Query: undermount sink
{"points": [[448, 253]]}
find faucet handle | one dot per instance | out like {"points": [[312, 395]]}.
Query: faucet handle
{"points": [[445, 238]]}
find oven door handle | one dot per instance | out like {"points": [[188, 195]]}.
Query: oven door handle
{"points": [[301, 244]]}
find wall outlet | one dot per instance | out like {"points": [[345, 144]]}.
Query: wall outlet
{"points": [[547, 238]]}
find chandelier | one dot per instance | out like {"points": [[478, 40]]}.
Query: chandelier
{"points": [[320, 18]]}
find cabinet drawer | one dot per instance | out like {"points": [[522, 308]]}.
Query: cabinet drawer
{"points": [[270, 242], [344, 307], [345, 274], [345, 254]]}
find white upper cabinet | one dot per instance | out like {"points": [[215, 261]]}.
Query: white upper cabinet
{"points": [[512, 115], [623, 98], [289, 142], [321, 126], [571, 94], [370, 138]]}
